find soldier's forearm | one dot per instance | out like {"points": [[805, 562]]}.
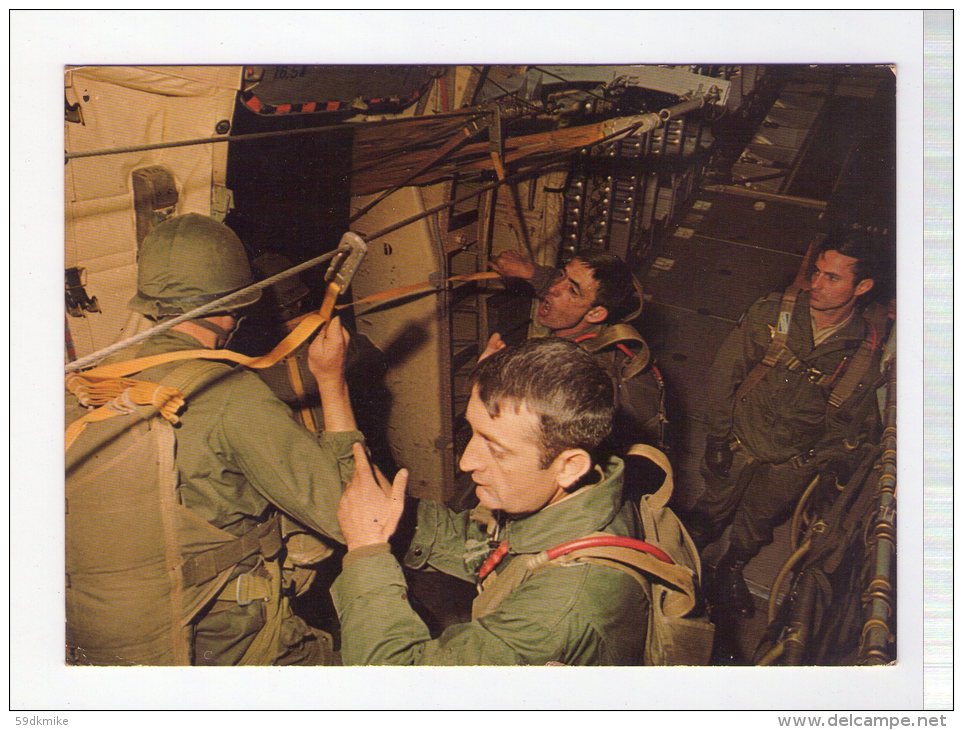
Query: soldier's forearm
{"points": [[336, 405]]}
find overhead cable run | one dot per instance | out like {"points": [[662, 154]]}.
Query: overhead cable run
{"points": [[639, 124], [250, 137]]}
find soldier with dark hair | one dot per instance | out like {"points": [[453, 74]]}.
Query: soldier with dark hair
{"points": [[537, 412], [787, 395], [588, 302]]}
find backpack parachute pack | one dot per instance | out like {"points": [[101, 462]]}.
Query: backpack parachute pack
{"points": [[139, 565]]}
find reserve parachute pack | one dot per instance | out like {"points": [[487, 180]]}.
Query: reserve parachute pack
{"points": [[666, 564], [140, 566]]}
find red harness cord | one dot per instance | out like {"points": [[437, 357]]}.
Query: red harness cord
{"points": [[494, 558], [593, 335], [499, 553], [608, 541]]}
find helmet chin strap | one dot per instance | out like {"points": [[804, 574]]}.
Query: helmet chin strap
{"points": [[223, 336]]}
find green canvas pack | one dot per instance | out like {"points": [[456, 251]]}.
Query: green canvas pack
{"points": [[139, 565]]}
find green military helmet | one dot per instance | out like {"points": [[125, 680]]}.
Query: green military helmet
{"points": [[188, 261]]}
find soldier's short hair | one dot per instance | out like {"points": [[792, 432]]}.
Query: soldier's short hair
{"points": [[563, 385], [616, 291], [857, 244]]}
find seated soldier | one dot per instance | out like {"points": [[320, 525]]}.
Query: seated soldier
{"points": [[587, 302], [537, 412]]}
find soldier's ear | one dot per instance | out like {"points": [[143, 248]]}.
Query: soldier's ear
{"points": [[597, 314], [862, 287], [571, 465]]}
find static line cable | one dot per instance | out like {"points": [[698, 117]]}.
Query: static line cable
{"points": [[225, 301], [249, 137], [218, 305]]}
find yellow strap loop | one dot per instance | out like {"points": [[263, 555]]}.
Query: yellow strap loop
{"points": [[104, 385]]}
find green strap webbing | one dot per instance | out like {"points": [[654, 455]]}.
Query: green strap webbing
{"points": [[856, 370], [777, 347], [264, 539]]}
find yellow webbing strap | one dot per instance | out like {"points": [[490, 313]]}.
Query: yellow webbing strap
{"points": [[306, 327], [118, 395], [109, 387], [297, 384], [637, 285], [423, 286], [663, 494], [615, 334], [289, 344]]}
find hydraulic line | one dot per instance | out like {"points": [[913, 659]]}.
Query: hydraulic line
{"points": [[798, 513], [772, 655], [799, 629], [781, 576]]}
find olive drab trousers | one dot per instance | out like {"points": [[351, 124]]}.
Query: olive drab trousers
{"points": [[755, 499]]}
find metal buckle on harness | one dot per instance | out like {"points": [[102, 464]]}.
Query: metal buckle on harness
{"points": [[802, 460], [814, 375], [245, 579]]}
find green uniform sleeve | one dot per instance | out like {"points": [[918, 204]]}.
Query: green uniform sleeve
{"points": [[580, 615], [742, 349], [450, 542], [300, 473]]}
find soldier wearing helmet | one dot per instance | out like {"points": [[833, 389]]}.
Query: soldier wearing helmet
{"points": [[240, 457]]}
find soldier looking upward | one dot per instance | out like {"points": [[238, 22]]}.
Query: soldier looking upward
{"points": [[585, 302]]}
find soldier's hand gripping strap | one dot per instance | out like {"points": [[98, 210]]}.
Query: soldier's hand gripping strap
{"points": [[109, 387]]}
